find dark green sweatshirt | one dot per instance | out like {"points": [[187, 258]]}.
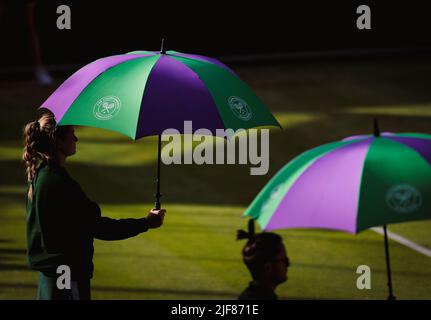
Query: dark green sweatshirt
{"points": [[62, 223]]}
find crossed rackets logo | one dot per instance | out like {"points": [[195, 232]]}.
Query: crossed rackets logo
{"points": [[403, 198], [107, 107], [240, 108]]}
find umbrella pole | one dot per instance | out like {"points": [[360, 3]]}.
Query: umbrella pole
{"points": [[388, 265], [157, 194]]}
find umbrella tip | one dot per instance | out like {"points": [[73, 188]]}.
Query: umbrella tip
{"points": [[162, 49], [376, 128]]}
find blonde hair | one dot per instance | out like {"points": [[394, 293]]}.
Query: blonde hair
{"points": [[40, 139]]}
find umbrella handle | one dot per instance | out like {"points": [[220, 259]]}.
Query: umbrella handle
{"points": [[158, 195]]}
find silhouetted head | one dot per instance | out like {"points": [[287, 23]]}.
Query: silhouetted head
{"points": [[265, 256]]}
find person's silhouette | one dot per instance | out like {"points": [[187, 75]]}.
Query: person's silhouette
{"points": [[61, 220], [265, 257]]}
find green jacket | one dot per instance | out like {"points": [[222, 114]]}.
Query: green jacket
{"points": [[62, 223]]}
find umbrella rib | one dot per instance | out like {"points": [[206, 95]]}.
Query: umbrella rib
{"points": [[143, 96], [204, 85]]}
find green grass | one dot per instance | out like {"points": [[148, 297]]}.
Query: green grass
{"points": [[195, 255]]}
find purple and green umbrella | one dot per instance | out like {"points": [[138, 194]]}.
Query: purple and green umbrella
{"points": [[350, 185], [142, 93]]}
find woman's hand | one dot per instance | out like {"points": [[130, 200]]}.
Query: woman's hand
{"points": [[155, 218]]}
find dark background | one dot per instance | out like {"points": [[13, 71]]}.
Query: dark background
{"points": [[219, 29]]}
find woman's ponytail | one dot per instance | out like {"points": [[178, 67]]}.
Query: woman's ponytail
{"points": [[39, 142]]}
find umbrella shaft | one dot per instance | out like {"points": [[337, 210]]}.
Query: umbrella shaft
{"points": [[157, 194], [388, 265]]}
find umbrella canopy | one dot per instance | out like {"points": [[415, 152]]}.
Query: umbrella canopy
{"points": [[350, 185], [142, 93]]}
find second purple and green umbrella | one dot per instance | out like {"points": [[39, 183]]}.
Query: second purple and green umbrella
{"points": [[351, 185]]}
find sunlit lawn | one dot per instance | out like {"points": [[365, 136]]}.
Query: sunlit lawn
{"points": [[195, 255]]}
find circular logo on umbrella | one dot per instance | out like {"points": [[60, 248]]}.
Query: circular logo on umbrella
{"points": [[107, 107], [240, 108], [403, 198]]}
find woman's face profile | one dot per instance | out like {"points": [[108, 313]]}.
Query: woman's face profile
{"points": [[67, 143]]}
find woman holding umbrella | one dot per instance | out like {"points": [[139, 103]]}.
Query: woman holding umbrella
{"points": [[61, 220]]}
